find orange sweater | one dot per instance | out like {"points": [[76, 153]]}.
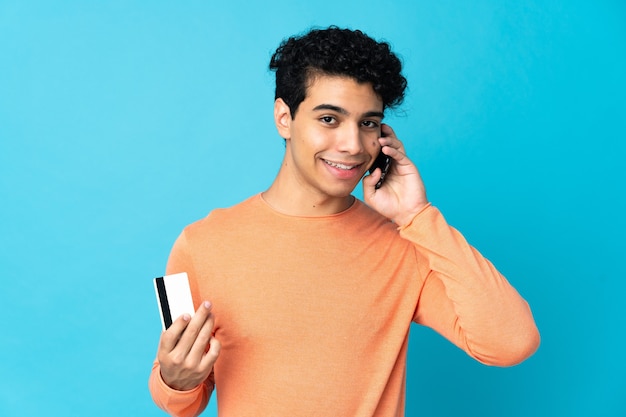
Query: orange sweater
{"points": [[313, 313]]}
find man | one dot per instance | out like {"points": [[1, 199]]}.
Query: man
{"points": [[307, 294]]}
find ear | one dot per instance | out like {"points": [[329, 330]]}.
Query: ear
{"points": [[282, 118]]}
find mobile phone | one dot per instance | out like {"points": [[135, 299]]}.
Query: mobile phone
{"points": [[384, 163], [173, 297]]}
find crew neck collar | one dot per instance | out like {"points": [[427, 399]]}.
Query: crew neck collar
{"points": [[353, 206]]}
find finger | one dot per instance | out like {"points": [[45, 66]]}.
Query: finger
{"points": [[202, 340], [389, 138], [171, 336], [395, 150], [389, 143], [369, 181], [190, 334], [209, 358], [386, 130]]}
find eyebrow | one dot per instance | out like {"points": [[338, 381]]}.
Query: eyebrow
{"points": [[341, 110]]}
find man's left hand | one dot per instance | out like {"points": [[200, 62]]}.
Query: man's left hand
{"points": [[402, 194]]}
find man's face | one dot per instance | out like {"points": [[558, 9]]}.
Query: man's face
{"points": [[333, 140]]}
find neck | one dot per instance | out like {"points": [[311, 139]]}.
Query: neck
{"points": [[298, 201]]}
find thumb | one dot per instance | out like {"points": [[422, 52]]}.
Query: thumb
{"points": [[369, 184]]}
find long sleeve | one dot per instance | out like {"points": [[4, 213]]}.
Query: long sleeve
{"points": [[180, 403], [465, 298], [278, 282]]}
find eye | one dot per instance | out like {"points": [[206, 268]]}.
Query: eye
{"points": [[327, 119], [370, 124]]}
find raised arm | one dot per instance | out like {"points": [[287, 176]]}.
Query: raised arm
{"points": [[464, 297]]}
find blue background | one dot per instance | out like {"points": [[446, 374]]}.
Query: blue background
{"points": [[123, 121]]}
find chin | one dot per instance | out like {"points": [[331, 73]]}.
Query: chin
{"points": [[341, 192]]}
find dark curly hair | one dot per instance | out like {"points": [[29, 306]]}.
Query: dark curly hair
{"points": [[336, 51]]}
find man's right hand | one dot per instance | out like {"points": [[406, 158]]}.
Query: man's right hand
{"points": [[183, 355]]}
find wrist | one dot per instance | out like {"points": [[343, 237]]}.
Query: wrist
{"points": [[404, 219], [174, 387]]}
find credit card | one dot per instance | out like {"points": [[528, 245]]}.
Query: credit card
{"points": [[174, 297]]}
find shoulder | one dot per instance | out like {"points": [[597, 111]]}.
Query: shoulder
{"points": [[224, 218], [365, 224], [368, 217]]}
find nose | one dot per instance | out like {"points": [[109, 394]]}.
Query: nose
{"points": [[351, 140]]}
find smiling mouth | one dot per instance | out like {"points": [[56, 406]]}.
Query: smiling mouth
{"points": [[341, 166]]}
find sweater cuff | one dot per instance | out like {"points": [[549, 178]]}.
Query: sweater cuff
{"points": [[174, 392], [427, 207]]}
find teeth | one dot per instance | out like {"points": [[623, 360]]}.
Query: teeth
{"points": [[340, 166]]}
